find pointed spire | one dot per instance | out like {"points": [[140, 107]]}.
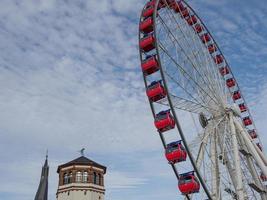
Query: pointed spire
{"points": [[42, 191]]}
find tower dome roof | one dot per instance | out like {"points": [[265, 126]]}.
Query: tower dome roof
{"points": [[82, 161]]}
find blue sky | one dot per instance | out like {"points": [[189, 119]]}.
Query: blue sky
{"points": [[70, 78]]}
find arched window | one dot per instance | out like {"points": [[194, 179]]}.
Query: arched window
{"points": [[99, 179], [95, 178], [85, 177], [65, 178], [78, 176], [70, 177]]}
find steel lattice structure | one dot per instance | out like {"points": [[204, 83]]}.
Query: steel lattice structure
{"points": [[186, 72]]}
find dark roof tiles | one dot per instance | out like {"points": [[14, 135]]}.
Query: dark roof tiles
{"points": [[82, 161]]}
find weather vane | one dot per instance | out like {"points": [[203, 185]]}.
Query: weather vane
{"points": [[82, 151]]}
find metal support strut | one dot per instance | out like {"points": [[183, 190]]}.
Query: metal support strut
{"points": [[238, 172]]}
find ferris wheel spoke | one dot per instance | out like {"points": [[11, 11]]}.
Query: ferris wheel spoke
{"points": [[186, 105], [173, 41], [197, 59], [209, 66], [195, 85], [188, 93]]}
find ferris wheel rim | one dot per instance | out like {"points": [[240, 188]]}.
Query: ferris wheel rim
{"points": [[178, 126]]}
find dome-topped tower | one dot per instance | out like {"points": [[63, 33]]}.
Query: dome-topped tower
{"points": [[81, 179]]}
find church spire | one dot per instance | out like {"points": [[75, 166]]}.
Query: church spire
{"points": [[43, 186]]}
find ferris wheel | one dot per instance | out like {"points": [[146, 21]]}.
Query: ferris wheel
{"points": [[186, 74]]}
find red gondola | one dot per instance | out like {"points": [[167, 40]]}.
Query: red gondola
{"points": [[152, 3], [205, 38], [192, 20], [148, 12], [175, 152], [188, 183], [149, 9], [236, 95], [252, 134], [230, 82], [178, 6], [263, 177], [247, 121], [224, 71], [147, 43], [198, 28], [155, 91], [150, 65], [218, 59], [185, 13], [171, 2], [242, 107], [164, 121], [212, 48], [146, 26]]}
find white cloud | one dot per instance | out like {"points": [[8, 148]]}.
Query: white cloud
{"points": [[70, 78], [118, 180]]}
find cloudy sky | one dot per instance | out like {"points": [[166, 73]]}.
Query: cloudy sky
{"points": [[70, 78]]}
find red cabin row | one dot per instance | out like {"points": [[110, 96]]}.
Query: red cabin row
{"points": [[188, 183], [164, 121], [147, 43], [198, 28], [205, 38], [263, 177], [150, 65], [146, 26], [155, 91], [224, 71], [218, 59], [247, 121], [192, 20], [212, 48], [242, 107], [236, 95], [175, 152], [253, 134], [230, 82]]}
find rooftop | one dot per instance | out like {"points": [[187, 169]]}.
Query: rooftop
{"points": [[82, 161]]}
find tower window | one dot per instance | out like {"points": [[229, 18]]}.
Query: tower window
{"points": [[70, 177], [79, 177], [99, 179], [85, 177], [65, 178], [95, 178]]}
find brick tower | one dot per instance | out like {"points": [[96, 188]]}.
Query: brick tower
{"points": [[81, 179]]}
